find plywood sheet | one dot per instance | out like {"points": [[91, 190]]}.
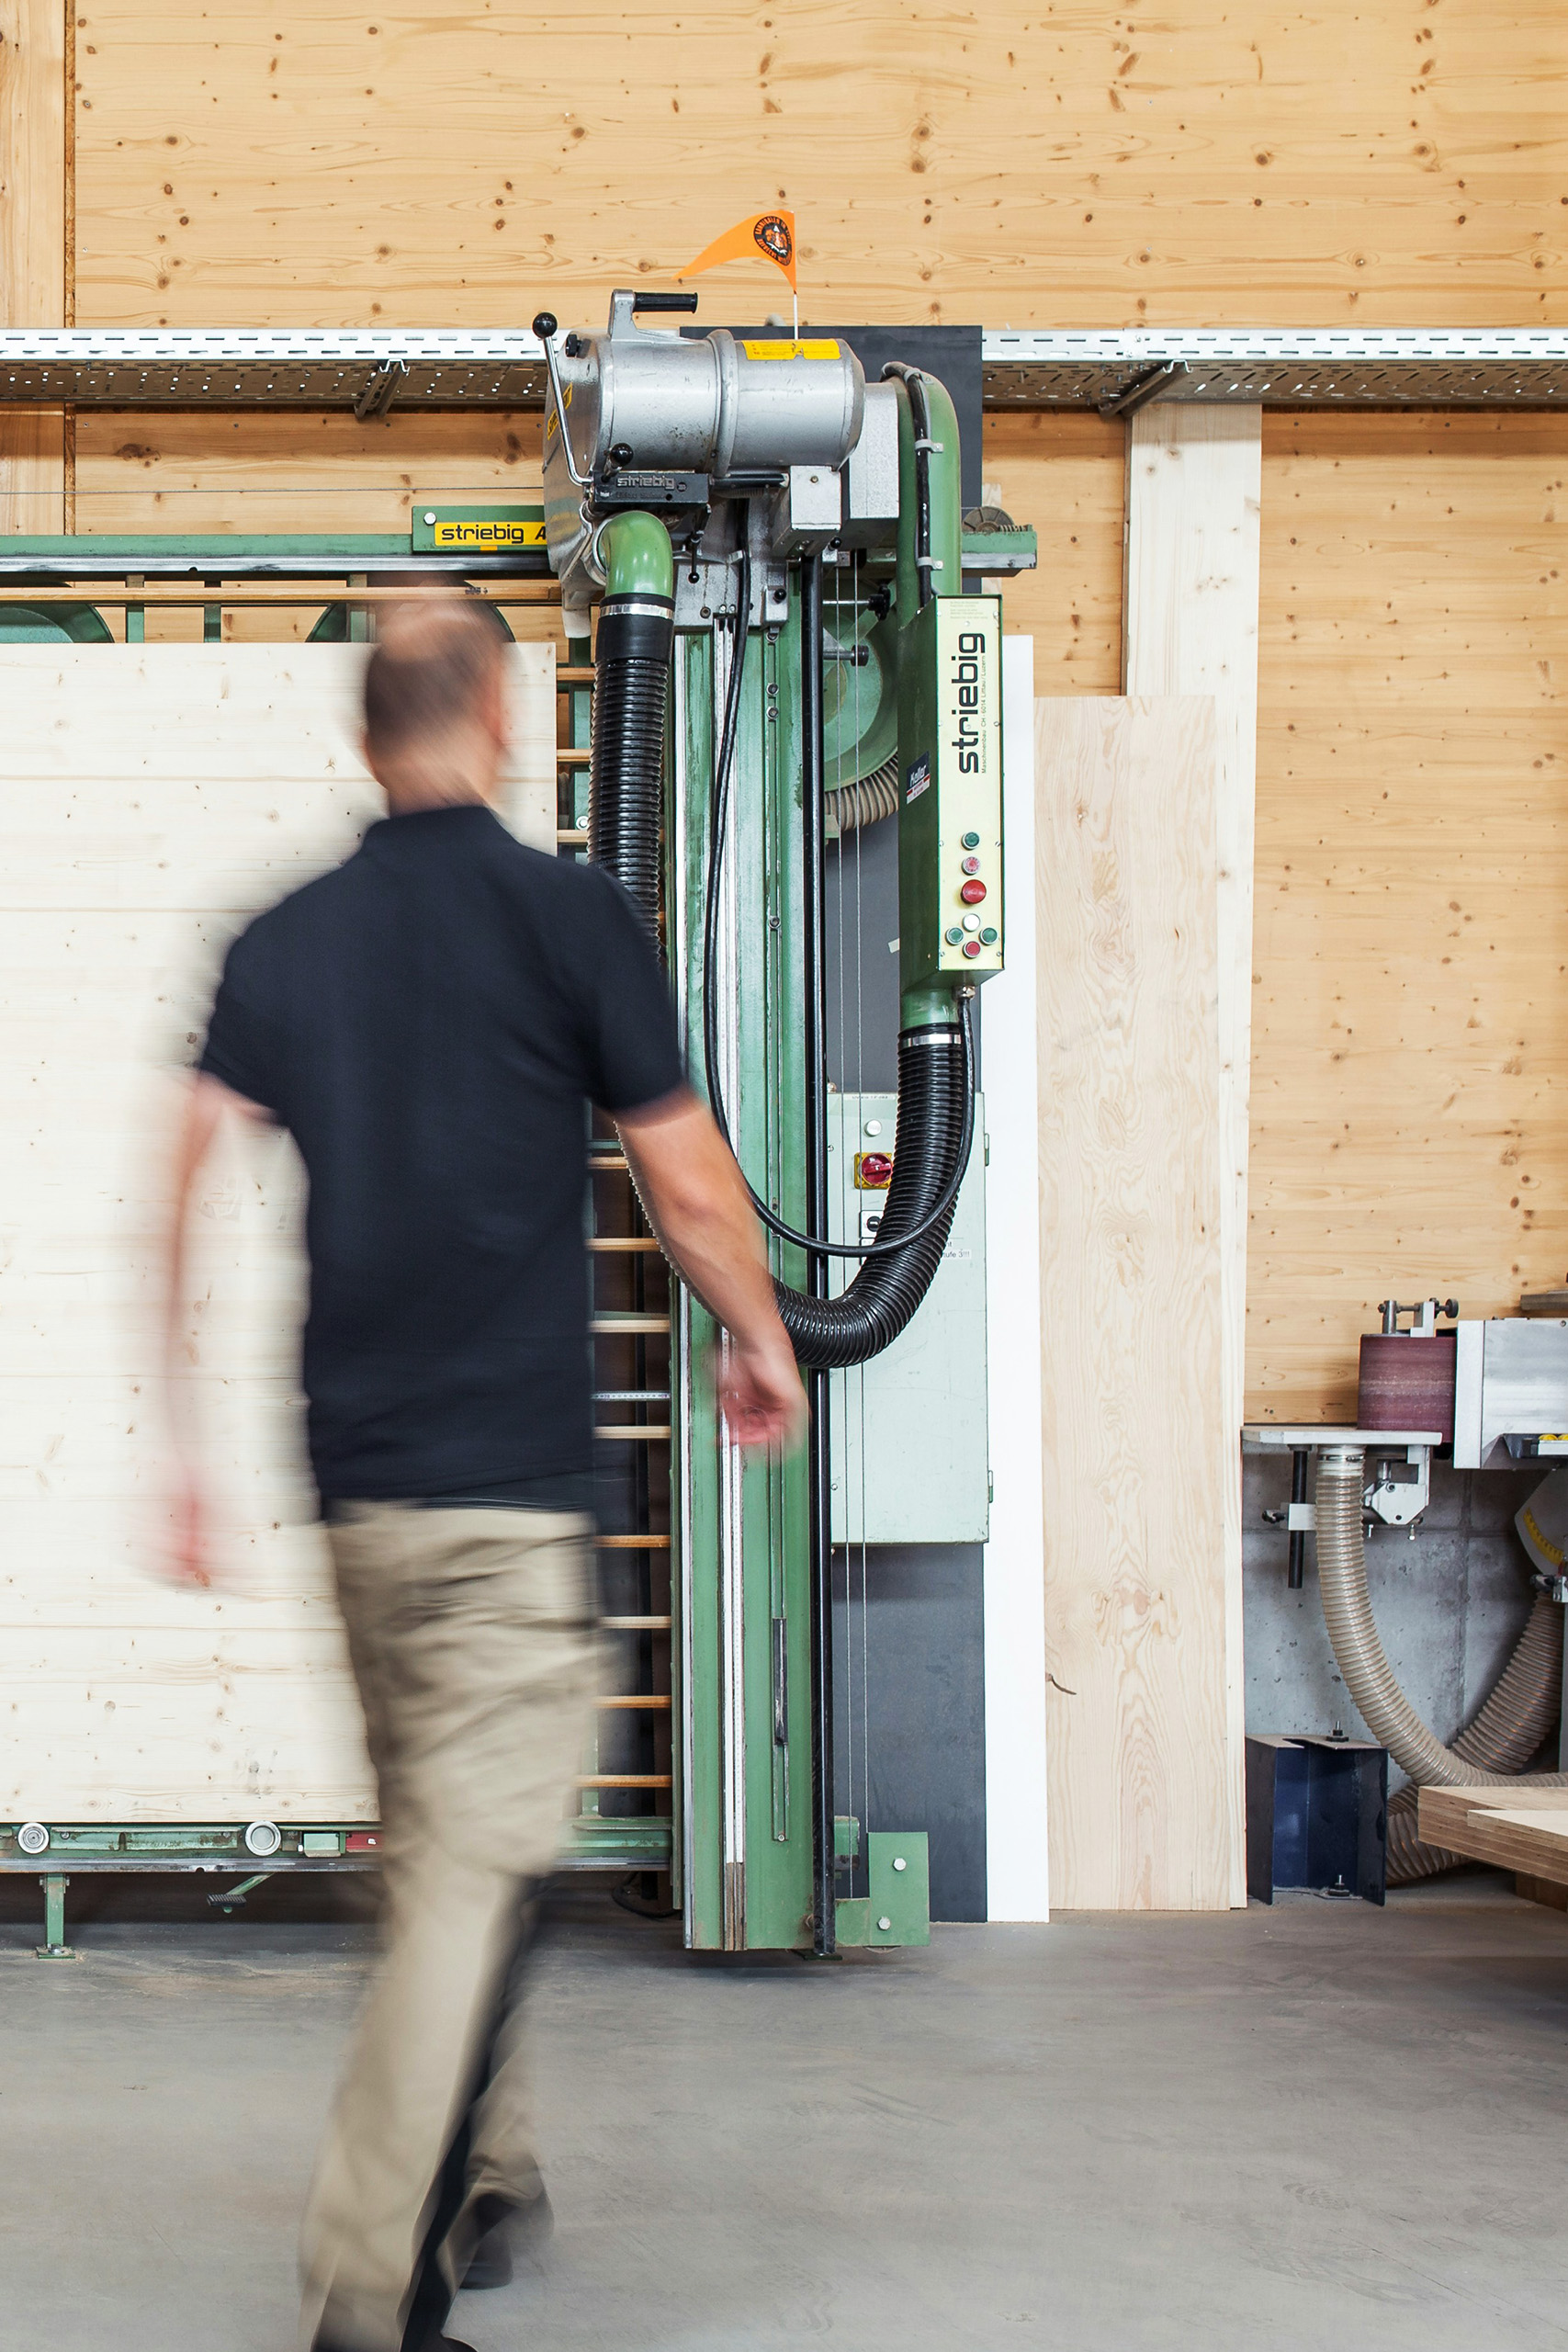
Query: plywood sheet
{"points": [[440, 164], [1410, 1064], [1525, 1831], [151, 801], [1143, 1784]]}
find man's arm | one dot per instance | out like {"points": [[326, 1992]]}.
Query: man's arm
{"points": [[208, 1104], [696, 1202]]}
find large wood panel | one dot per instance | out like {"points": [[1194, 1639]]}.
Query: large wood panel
{"points": [[1143, 1777], [447, 164], [1189, 627], [33, 231], [1410, 1061], [150, 799]]}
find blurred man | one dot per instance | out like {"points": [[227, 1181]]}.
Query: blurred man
{"points": [[431, 1022]]}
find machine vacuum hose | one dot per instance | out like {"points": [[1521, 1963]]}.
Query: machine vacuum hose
{"points": [[626, 804], [936, 1121], [1514, 1721]]}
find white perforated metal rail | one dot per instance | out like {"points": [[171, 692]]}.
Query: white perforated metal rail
{"points": [[234, 367]]}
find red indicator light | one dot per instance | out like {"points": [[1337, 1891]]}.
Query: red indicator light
{"points": [[971, 947], [971, 865], [972, 893]]}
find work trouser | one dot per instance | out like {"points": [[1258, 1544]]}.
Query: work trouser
{"points": [[472, 1641]]}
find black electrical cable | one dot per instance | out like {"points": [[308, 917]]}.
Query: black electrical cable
{"points": [[941, 1209]]}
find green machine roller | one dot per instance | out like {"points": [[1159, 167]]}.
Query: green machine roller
{"points": [[698, 491]]}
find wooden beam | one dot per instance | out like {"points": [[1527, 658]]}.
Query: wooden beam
{"points": [[1144, 1812], [1189, 627]]}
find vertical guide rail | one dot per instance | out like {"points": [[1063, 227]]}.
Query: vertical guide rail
{"points": [[813, 781]]}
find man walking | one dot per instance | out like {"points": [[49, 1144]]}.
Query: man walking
{"points": [[430, 1022]]}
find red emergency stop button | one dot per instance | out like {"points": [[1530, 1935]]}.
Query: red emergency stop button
{"points": [[972, 893]]}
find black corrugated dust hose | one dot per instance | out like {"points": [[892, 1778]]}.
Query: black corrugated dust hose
{"points": [[935, 1120], [936, 1064], [626, 805], [936, 1098]]}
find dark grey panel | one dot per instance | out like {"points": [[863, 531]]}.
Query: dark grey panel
{"points": [[861, 912], [909, 1688]]}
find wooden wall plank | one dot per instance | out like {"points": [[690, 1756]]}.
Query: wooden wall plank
{"points": [[151, 799], [1410, 1070], [1189, 627], [1136, 1450], [439, 163]]}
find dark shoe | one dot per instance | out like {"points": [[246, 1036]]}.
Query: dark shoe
{"points": [[505, 2232]]}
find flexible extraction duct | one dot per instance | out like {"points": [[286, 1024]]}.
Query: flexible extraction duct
{"points": [[936, 1072], [637, 631], [1513, 1723]]}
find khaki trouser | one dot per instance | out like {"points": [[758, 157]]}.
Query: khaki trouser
{"points": [[472, 1641]]}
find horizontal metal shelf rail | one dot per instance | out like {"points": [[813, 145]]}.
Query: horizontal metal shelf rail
{"points": [[1029, 368]]}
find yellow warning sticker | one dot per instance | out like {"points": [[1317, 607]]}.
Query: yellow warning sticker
{"points": [[497, 532], [822, 348]]}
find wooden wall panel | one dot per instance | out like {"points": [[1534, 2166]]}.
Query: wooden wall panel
{"points": [[1144, 1805], [451, 163], [152, 798], [1410, 1058]]}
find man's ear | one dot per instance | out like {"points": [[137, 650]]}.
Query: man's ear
{"points": [[497, 714]]}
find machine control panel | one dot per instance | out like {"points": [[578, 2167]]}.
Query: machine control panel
{"points": [[950, 739]]}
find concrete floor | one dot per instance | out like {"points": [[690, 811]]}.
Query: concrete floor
{"points": [[1318, 2126]]}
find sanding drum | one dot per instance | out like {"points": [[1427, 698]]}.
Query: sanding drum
{"points": [[1407, 1381]]}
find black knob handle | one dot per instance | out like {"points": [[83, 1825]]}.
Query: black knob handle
{"points": [[545, 325], [621, 455], [664, 301]]}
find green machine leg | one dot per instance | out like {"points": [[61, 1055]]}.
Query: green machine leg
{"points": [[897, 1911], [54, 1946]]}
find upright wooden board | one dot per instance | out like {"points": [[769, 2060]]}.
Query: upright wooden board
{"points": [[151, 801], [1143, 1802], [35, 217], [1189, 627]]}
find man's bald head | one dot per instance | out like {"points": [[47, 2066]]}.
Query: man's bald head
{"points": [[434, 706]]}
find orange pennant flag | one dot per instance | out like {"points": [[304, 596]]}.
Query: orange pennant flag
{"points": [[772, 234]]}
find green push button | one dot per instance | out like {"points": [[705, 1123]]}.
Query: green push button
{"points": [[989, 938], [971, 841], [953, 936]]}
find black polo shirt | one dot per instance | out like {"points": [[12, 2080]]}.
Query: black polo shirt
{"points": [[430, 1022]]}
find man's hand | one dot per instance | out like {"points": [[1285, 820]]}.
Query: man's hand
{"points": [[188, 1557], [188, 1554], [760, 1395], [695, 1201]]}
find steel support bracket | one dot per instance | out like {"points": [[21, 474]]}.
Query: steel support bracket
{"points": [[1148, 387], [381, 390]]}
